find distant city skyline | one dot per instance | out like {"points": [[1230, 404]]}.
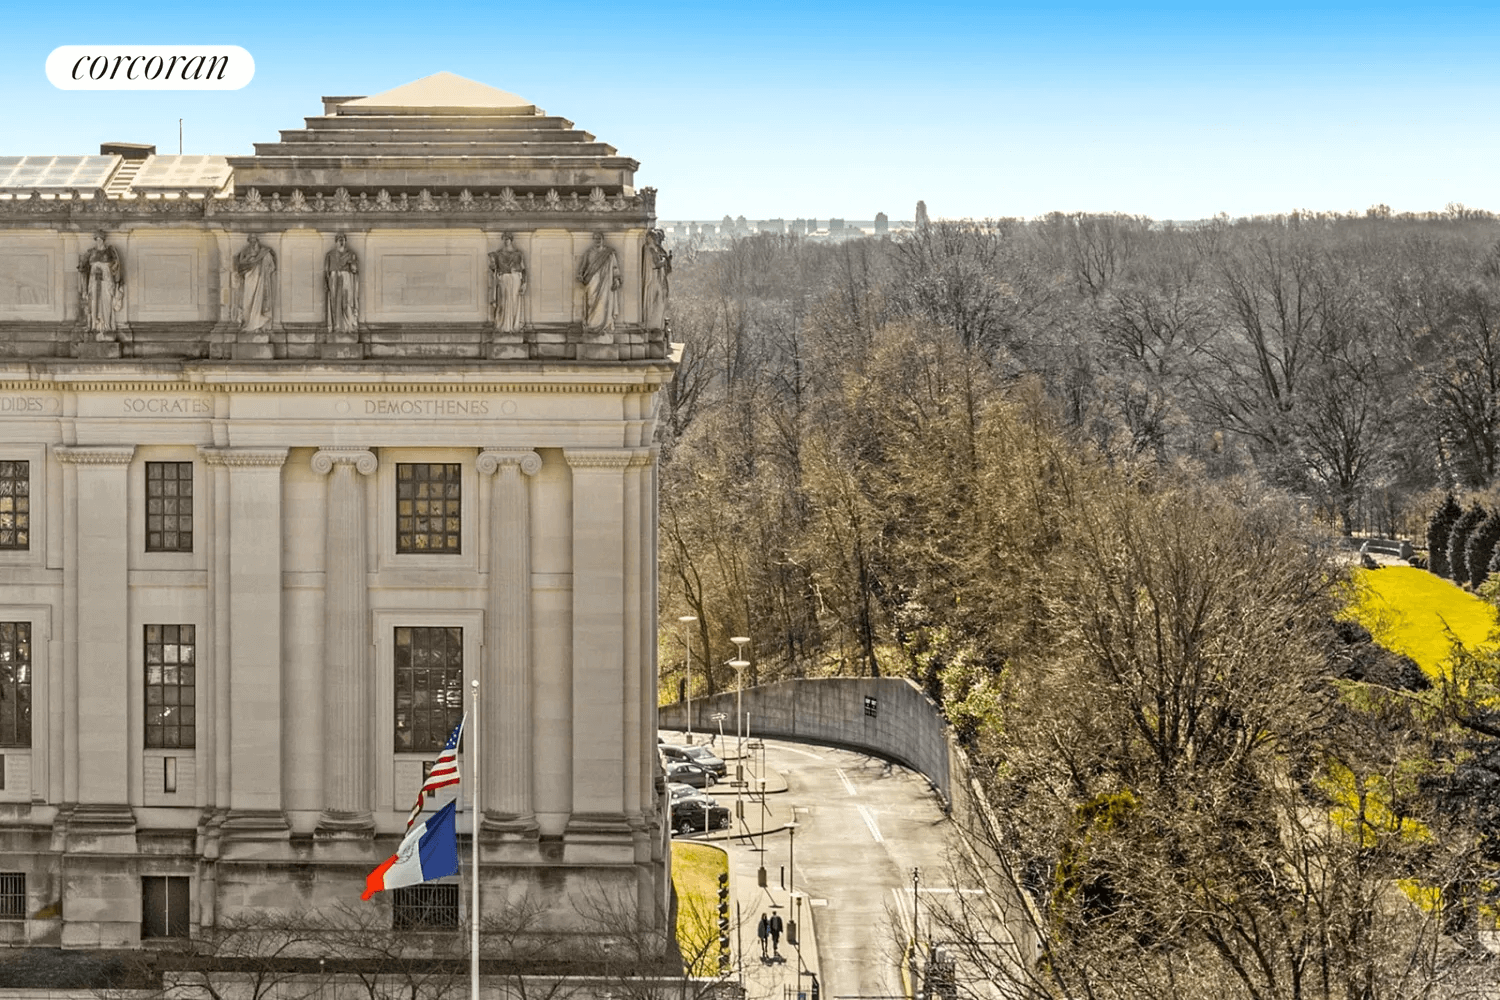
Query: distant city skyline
{"points": [[1169, 110]]}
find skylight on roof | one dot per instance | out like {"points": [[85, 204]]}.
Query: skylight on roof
{"points": [[56, 173]]}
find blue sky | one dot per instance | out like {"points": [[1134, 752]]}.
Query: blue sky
{"points": [[1175, 111]]}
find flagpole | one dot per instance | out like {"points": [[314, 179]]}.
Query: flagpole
{"points": [[474, 846]]}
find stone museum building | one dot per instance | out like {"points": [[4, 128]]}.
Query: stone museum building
{"points": [[294, 446]]}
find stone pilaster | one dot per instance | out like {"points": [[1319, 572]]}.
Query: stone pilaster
{"points": [[96, 569], [251, 675], [599, 688], [506, 689], [348, 684]]}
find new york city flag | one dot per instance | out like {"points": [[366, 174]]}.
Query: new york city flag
{"points": [[429, 851]]}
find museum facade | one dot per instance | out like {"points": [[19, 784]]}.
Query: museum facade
{"points": [[293, 447]]}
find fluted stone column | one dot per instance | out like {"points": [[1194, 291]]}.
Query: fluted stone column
{"points": [[506, 674], [348, 686]]}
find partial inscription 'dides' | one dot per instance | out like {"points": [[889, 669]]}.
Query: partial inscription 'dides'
{"points": [[169, 406], [26, 404]]}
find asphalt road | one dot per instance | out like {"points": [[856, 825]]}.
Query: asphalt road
{"points": [[862, 825]]}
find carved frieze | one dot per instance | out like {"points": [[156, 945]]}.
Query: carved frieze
{"points": [[341, 202]]}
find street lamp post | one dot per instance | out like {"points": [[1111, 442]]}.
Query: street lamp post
{"points": [[791, 858], [739, 663], [916, 874], [687, 620], [797, 927]]}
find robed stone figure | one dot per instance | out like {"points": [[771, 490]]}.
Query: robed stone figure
{"points": [[656, 264], [341, 287], [599, 273], [255, 265], [507, 285], [103, 292]]}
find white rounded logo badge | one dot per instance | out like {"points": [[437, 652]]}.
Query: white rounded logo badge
{"points": [[150, 67]]}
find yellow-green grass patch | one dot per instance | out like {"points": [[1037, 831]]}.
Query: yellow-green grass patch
{"points": [[695, 878], [1412, 611]]}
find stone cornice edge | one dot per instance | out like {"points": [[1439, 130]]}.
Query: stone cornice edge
{"points": [[244, 456], [110, 454], [599, 458], [329, 388]]}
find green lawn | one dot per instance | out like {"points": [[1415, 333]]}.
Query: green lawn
{"points": [[1412, 611], [695, 877]]}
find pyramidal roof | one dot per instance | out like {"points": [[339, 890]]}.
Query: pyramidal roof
{"points": [[440, 93], [441, 133]]}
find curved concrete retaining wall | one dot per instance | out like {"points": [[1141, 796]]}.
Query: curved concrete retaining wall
{"points": [[889, 717], [905, 727]]}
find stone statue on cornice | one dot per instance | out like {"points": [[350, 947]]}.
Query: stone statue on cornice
{"points": [[341, 286], [599, 273], [507, 285], [255, 268], [656, 265], [103, 293]]}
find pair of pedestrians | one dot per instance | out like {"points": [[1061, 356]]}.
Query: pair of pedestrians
{"points": [[770, 928]]}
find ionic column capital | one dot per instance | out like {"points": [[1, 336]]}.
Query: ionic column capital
{"points": [[95, 454], [490, 462], [363, 460]]}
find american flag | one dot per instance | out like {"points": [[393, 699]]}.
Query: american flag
{"points": [[444, 773]]}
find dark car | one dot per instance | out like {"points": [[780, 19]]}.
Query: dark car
{"points": [[702, 756], [688, 773], [698, 812]]}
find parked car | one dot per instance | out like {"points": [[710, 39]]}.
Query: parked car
{"points": [[702, 756], [677, 790], [698, 812], [688, 773]]}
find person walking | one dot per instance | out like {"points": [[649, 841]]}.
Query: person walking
{"points": [[762, 932], [775, 928]]}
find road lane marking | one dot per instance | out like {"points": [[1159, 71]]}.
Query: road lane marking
{"points": [[805, 753], [848, 785], [870, 822]]}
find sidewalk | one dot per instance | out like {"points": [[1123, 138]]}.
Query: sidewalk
{"points": [[751, 842], [776, 977]]}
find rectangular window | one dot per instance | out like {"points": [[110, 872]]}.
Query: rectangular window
{"points": [[424, 907], [15, 684], [164, 906], [15, 505], [12, 895], [429, 687], [169, 506], [171, 669], [429, 515]]}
